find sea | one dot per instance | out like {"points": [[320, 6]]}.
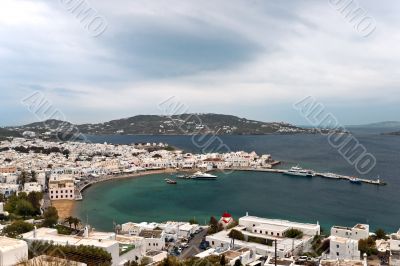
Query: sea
{"points": [[311, 200]]}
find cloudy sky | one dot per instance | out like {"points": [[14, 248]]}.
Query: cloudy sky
{"points": [[251, 58]]}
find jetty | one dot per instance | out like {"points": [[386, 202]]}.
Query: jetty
{"points": [[377, 182]]}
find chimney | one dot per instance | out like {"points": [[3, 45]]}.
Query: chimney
{"points": [[86, 232]]}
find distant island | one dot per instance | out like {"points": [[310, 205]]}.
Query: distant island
{"points": [[184, 124], [384, 124], [395, 133]]}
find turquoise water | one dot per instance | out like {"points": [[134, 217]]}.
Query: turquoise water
{"points": [[263, 194]]}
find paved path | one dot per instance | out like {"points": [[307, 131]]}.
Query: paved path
{"points": [[194, 244]]}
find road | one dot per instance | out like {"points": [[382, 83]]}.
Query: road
{"points": [[194, 244]]}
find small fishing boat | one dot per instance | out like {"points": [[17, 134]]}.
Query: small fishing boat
{"points": [[354, 180], [170, 181]]}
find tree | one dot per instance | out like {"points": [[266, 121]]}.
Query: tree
{"points": [[235, 234], [22, 178], [76, 222], [33, 176], [24, 208], [34, 198], [293, 233], [50, 217], [367, 246], [380, 234], [238, 263], [16, 228], [70, 220], [2, 198], [222, 260], [193, 221], [214, 227]]}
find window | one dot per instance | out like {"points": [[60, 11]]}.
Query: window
{"points": [[337, 246], [61, 196], [277, 234], [337, 254], [255, 231]]}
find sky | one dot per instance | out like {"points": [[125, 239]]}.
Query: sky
{"points": [[250, 58]]}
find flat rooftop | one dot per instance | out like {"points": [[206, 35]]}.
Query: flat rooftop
{"points": [[277, 222], [49, 234], [7, 244], [151, 233], [341, 263]]}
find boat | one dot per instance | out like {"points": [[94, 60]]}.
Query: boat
{"points": [[298, 171], [355, 180], [331, 175], [201, 175], [183, 176], [170, 181]]}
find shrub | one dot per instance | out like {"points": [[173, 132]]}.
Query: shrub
{"points": [[17, 228], [293, 233]]}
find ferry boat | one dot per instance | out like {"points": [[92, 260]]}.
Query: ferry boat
{"points": [[355, 180], [298, 171], [331, 175], [170, 181], [201, 175]]}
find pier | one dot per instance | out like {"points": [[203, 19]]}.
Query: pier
{"points": [[376, 182]]}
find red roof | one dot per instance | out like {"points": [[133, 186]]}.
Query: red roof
{"points": [[226, 215]]}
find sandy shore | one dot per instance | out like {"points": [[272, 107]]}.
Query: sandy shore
{"points": [[65, 208]]}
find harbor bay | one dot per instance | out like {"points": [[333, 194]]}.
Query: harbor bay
{"points": [[263, 194]]}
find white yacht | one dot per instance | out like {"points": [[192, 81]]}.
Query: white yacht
{"points": [[201, 175], [298, 171]]}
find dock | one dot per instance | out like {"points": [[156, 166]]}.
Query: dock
{"points": [[377, 182]]}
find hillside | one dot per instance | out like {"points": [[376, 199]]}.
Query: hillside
{"points": [[185, 124], [4, 133], [384, 124]]}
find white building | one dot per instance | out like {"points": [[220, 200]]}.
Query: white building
{"points": [[344, 241], [62, 189], [395, 248], [32, 187], [153, 239], [8, 189], [268, 233], [121, 249], [12, 251]]}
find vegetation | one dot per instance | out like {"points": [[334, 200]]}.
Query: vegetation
{"points": [[367, 246], [293, 233], [237, 263], [214, 226], [235, 234], [24, 205], [64, 230], [17, 228], [150, 124], [193, 221], [90, 255], [381, 234], [50, 217], [222, 260], [209, 261]]}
